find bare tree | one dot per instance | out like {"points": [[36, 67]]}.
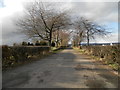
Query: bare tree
{"points": [[41, 20], [64, 38], [79, 32], [61, 37], [88, 29], [56, 37], [75, 40]]}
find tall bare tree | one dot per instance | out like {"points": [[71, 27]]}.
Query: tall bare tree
{"points": [[41, 20], [88, 29], [56, 37], [75, 40], [61, 38], [79, 32], [64, 38]]}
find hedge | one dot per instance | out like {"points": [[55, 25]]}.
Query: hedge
{"points": [[109, 54], [16, 54]]}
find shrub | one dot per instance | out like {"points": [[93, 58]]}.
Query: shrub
{"points": [[53, 44], [37, 43], [43, 43], [24, 43]]}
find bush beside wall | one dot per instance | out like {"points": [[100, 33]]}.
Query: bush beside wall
{"points": [[17, 54]]}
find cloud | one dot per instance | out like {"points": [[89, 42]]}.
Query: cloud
{"points": [[111, 38], [108, 39], [10, 33], [101, 12], [95, 0]]}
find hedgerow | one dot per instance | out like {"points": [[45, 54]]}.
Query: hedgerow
{"points": [[17, 54], [108, 54]]}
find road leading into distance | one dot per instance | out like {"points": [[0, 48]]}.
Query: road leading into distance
{"points": [[66, 69]]}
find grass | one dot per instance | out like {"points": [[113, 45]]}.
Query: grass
{"points": [[55, 50], [79, 50], [114, 66]]}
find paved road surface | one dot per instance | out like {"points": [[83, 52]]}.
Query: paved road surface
{"points": [[67, 69]]}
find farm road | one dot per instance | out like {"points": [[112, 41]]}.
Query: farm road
{"points": [[66, 69]]}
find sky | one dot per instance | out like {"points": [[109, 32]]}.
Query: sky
{"points": [[104, 12]]}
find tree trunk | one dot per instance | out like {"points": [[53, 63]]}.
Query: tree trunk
{"points": [[57, 38], [80, 44], [50, 43], [57, 44], [50, 40], [88, 40]]}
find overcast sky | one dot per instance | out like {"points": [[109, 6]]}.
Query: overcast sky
{"points": [[101, 12]]}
